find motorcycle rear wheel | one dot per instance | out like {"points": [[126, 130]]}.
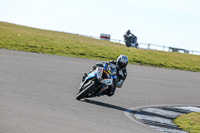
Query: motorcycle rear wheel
{"points": [[86, 90]]}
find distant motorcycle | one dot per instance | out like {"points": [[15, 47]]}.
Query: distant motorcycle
{"points": [[131, 41], [96, 83]]}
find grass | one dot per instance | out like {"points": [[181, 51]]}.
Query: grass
{"points": [[28, 39], [189, 122]]}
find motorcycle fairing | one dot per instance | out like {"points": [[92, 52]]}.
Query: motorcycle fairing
{"points": [[107, 81]]}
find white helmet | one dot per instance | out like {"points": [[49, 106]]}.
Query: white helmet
{"points": [[122, 61]]}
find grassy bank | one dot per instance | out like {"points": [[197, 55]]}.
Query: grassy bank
{"points": [[189, 122], [23, 38]]}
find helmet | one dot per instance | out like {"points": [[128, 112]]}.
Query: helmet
{"points": [[122, 61]]}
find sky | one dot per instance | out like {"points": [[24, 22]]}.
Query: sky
{"points": [[174, 23]]}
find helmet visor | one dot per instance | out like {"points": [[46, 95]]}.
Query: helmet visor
{"points": [[121, 65]]}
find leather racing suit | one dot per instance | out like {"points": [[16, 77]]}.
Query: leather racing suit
{"points": [[121, 74]]}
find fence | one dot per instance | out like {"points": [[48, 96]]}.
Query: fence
{"points": [[149, 46]]}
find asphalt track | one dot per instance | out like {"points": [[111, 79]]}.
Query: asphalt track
{"points": [[37, 95]]}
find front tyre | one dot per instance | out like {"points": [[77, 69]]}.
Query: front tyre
{"points": [[86, 90], [128, 44]]}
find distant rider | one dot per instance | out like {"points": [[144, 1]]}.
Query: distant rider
{"points": [[120, 67], [127, 35], [130, 39]]}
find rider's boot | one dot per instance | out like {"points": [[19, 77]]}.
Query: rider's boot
{"points": [[110, 91]]}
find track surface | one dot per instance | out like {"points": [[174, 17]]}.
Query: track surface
{"points": [[37, 95]]}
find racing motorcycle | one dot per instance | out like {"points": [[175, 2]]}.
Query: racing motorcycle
{"points": [[97, 82], [131, 41]]}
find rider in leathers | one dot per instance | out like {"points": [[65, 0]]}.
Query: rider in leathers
{"points": [[120, 67], [127, 34], [130, 38]]}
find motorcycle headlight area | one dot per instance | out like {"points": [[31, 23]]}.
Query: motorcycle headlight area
{"points": [[99, 72]]}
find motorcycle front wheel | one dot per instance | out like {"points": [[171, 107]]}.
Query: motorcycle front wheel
{"points": [[87, 90], [128, 44]]}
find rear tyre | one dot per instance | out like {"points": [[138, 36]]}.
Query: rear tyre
{"points": [[137, 46], [86, 91]]}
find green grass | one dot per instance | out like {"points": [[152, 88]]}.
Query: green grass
{"points": [[189, 122], [24, 38]]}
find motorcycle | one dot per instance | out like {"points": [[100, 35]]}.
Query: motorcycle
{"points": [[131, 41], [96, 83]]}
